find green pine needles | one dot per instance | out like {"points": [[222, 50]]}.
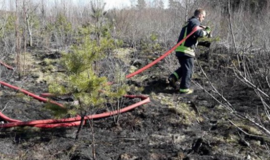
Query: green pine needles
{"points": [[81, 81]]}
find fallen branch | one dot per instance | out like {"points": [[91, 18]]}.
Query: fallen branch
{"points": [[248, 134], [250, 84]]}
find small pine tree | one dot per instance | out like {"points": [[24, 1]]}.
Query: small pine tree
{"points": [[81, 80]]}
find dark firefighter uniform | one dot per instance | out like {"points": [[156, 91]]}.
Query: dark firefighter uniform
{"points": [[186, 53]]}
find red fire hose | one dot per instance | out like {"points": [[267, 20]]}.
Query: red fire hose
{"points": [[75, 121], [164, 55]]}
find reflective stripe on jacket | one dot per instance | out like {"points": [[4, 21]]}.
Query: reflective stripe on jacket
{"points": [[183, 48], [187, 47], [186, 50]]}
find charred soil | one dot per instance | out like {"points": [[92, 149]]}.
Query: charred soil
{"points": [[171, 127]]}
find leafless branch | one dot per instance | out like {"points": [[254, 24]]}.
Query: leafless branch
{"points": [[229, 105], [5, 107], [267, 81], [239, 75], [246, 133]]}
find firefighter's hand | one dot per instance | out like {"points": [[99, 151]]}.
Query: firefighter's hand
{"points": [[208, 29]]}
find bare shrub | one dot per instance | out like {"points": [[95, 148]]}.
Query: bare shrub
{"points": [[248, 64]]}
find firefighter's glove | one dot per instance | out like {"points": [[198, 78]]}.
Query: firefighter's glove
{"points": [[208, 30]]}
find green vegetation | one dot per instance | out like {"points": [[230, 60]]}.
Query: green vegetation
{"points": [[81, 80], [99, 46], [8, 26]]}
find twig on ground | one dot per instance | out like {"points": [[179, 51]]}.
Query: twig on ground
{"points": [[4, 107]]}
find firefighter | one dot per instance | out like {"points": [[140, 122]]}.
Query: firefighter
{"points": [[185, 52]]}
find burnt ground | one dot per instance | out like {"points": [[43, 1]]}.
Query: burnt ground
{"points": [[171, 127]]}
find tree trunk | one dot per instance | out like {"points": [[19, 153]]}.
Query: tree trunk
{"points": [[29, 31], [80, 127], [18, 41]]}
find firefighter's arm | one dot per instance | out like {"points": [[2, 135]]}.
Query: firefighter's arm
{"points": [[206, 34]]}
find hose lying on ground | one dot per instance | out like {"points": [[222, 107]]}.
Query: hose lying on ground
{"points": [[75, 121]]}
